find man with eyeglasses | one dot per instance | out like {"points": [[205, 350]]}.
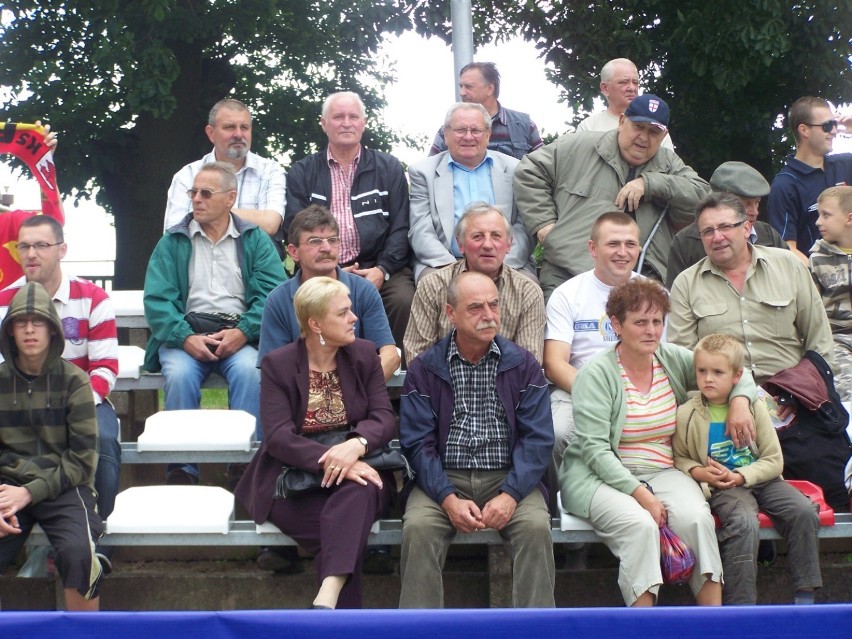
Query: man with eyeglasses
{"points": [[443, 185], [792, 201], [512, 132], [260, 182], [367, 194], [763, 296], [747, 184], [220, 265], [619, 85], [91, 338], [315, 247], [562, 188]]}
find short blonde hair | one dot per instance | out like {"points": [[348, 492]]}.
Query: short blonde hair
{"points": [[729, 347], [843, 195], [313, 297]]}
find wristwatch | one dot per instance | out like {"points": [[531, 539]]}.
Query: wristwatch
{"points": [[363, 441], [385, 271]]}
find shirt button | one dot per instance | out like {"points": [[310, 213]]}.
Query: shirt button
{"points": [[742, 299], [745, 321]]}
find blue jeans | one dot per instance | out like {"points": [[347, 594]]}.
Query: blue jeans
{"points": [[109, 458], [184, 375]]}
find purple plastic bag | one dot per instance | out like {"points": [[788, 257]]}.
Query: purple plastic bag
{"points": [[676, 559]]}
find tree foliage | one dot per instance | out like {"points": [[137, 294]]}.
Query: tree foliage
{"points": [[727, 68], [129, 84]]}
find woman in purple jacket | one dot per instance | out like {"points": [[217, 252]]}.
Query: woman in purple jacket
{"points": [[327, 381]]}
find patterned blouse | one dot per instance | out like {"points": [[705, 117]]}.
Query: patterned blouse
{"points": [[326, 411]]}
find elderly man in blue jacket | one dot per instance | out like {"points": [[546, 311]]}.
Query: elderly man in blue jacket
{"points": [[475, 423]]}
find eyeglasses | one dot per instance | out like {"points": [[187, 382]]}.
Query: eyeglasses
{"points": [[38, 322], [206, 194], [827, 126], [40, 247], [462, 131], [316, 242], [724, 229]]}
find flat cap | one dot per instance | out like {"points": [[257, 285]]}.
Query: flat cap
{"points": [[740, 179]]}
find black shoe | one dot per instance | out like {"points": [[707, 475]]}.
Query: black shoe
{"points": [[378, 561], [283, 560], [179, 477]]}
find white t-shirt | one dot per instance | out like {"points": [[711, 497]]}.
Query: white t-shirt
{"points": [[576, 314]]}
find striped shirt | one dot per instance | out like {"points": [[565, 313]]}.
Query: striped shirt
{"points": [[88, 321], [340, 206], [646, 441]]}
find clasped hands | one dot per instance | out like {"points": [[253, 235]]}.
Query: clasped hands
{"points": [[466, 516]]}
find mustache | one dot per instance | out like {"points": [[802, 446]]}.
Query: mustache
{"points": [[486, 324]]}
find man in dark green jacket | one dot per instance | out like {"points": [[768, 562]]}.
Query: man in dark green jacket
{"points": [[215, 264]]}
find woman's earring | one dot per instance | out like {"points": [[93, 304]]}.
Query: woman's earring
{"points": [[322, 341]]}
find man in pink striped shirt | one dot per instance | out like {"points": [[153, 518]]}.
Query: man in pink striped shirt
{"points": [[91, 341]]}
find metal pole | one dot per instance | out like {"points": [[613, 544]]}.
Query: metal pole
{"points": [[462, 38]]}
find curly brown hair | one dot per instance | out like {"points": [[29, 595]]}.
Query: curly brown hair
{"points": [[636, 295]]}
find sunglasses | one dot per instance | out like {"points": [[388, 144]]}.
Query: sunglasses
{"points": [[206, 194], [828, 126]]}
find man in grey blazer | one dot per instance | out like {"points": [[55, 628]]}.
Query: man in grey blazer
{"points": [[443, 185]]}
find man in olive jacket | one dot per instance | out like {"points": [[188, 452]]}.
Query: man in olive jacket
{"points": [[562, 188]]}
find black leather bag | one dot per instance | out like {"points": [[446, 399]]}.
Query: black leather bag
{"points": [[293, 482]]}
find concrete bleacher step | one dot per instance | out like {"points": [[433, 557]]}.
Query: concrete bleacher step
{"points": [[238, 584]]}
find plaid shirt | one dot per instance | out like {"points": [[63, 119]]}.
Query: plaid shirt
{"points": [[479, 435], [341, 207]]}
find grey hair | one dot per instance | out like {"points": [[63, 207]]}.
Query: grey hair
{"points": [[326, 105], [227, 176], [227, 103], [472, 106], [478, 209], [609, 68]]}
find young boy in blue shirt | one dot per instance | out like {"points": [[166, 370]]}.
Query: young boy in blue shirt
{"points": [[739, 482]]}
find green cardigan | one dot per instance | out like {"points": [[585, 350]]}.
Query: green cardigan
{"points": [[600, 409]]}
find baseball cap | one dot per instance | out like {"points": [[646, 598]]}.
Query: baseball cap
{"points": [[740, 179], [649, 108]]}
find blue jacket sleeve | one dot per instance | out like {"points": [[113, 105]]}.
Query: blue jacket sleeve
{"points": [[418, 434], [532, 451]]}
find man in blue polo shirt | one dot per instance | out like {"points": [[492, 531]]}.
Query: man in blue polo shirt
{"points": [[793, 197], [313, 245]]}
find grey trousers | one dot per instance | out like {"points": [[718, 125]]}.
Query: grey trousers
{"points": [[795, 517], [427, 533]]}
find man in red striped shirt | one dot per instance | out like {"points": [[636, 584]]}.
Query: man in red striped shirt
{"points": [[91, 341]]}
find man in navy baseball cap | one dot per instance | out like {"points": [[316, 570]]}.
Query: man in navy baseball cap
{"points": [[649, 108]]}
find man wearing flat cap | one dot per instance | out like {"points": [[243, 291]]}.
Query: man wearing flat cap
{"points": [[562, 188], [749, 186]]}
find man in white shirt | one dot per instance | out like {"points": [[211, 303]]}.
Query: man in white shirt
{"points": [[577, 325], [260, 182]]}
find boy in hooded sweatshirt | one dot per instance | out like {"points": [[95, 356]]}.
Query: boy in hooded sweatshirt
{"points": [[48, 446], [831, 267]]}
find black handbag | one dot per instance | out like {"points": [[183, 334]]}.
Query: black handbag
{"points": [[293, 482], [203, 323]]}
